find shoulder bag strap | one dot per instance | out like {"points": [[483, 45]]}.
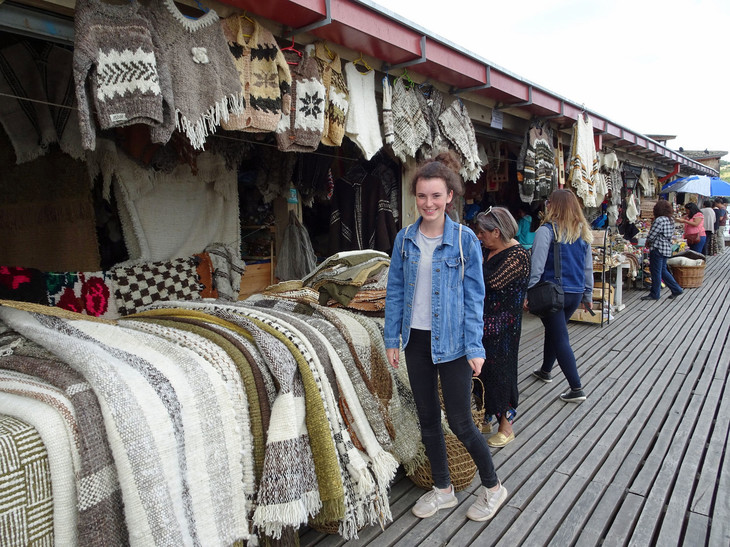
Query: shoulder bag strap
{"points": [[556, 257]]}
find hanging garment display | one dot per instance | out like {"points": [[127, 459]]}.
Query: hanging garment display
{"points": [[432, 105], [362, 214], [301, 129], [119, 78], [410, 129], [264, 74], [458, 129], [205, 83], [295, 258], [177, 214], [584, 162], [537, 161], [337, 100], [362, 125], [40, 106], [388, 130]]}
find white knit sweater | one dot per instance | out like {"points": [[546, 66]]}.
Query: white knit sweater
{"points": [[362, 126]]}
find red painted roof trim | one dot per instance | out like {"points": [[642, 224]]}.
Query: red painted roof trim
{"points": [[365, 27]]}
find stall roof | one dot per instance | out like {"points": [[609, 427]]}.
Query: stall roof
{"points": [[363, 26]]}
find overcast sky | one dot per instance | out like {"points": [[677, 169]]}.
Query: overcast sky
{"points": [[653, 66]]}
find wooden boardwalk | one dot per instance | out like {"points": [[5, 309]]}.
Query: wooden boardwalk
{"points": [[643, 461]]}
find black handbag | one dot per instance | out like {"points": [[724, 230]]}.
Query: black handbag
{"points": [[545, 298]]}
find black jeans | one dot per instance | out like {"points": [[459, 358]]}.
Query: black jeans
{"points": [[557, 342], [456, 389]]}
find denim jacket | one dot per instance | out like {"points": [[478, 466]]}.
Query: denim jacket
{"points": [[457, 300]]}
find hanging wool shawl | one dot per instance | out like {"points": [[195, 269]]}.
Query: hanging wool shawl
{"points": [[458, 129], [296, 257], [28, 123], [432, 105], [409, 126], [388, 130], [205, 83], [584, 162]]}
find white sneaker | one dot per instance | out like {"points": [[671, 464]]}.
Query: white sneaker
{"points": [[428, 504], [487, 503]]}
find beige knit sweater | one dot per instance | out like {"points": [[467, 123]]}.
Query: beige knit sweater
{"points": [[264, 74]]}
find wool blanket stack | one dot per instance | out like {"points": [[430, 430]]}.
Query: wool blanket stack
{"points": [[211, 421]]}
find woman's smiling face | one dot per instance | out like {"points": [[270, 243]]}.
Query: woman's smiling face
{"points": [[432, 197]]}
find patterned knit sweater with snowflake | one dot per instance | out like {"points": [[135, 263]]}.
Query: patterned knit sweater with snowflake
{"points": [[537, 160], [119, 79], [300, 129], [264, 75]]}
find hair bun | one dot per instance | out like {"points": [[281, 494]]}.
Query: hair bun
{"points": [[450, 159]]}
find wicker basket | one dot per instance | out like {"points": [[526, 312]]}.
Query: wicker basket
{"points": [[688, 277], [461, 466]]}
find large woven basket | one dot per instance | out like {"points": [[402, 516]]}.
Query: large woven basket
{"points": [[688, 277], [461, 466]]}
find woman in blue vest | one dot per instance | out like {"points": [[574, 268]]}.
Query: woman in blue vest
{"points": [[563, 219], [434, 304]]}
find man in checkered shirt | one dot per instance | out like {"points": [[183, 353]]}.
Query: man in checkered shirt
{"points": [[660, 243]]}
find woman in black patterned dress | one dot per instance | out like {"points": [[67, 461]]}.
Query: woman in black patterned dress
{"points": [[506, 272]]}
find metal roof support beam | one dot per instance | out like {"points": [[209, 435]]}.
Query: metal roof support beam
{"points": [[317, 24], [528, 102], [36, 24], [455, 91], [422, 59], [561, 114]]}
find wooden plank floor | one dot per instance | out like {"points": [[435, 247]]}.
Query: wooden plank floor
{"points": [[643, 461]]}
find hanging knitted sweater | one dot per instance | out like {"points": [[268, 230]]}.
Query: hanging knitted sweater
{"points": [[362, 125], [432, 105], [584, 162], [205, 83], [537, 161], [300, 129], [410, 129], [114, 53], [337, 98], [264, 75], [456, 126]]}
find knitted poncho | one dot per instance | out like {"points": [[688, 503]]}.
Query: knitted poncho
{"points": [[410, 127], [584, 162], [362, 125], [264, 75], [336, 94], [457, 128], [205, 83], [115, 55], [301, 129]]}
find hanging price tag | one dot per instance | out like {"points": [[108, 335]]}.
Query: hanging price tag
{"points": [[497, 118]]}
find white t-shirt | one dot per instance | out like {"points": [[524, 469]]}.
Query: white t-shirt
{"points": [[421, 314]]}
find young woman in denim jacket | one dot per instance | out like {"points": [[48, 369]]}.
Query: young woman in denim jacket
{"points": [[434, 304], [564, 219]]}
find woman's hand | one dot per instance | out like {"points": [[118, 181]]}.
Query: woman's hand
{"points": [[393, 355], [476, 364], [524, 305]]}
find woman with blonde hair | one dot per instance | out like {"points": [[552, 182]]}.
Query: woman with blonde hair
{"points": [[565, 222]]}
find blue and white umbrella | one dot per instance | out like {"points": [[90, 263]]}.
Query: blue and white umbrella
{"points": [[699, 184]]}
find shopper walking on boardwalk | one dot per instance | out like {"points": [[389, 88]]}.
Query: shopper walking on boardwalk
{"points": [[660, 249], [564, 220], [434, 304]]}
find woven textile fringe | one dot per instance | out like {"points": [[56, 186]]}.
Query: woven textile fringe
{"points": [[198, 130], [17, 216]]}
